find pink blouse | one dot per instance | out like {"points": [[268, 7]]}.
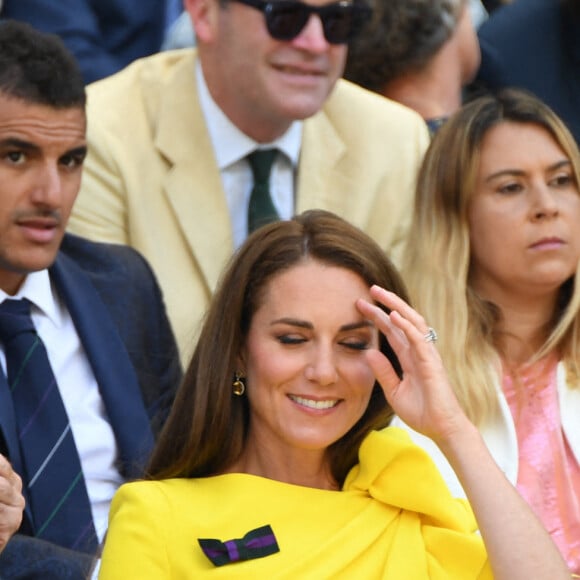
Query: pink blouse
{"points": [[548, 473]]}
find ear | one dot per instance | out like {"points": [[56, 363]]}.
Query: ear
{"points": [[204, 16]]}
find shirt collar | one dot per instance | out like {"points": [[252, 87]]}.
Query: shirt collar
{"points": [[229, 143], [38, 290]]}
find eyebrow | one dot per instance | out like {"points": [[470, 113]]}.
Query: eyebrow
{"points": [[310, 326], [18, 143], [519, 172]]}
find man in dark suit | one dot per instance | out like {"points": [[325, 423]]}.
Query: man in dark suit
{"points": [[97, 308], [535, 45], [104, 35]]}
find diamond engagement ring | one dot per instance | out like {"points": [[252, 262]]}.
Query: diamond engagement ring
{"points": [[431, 335]]}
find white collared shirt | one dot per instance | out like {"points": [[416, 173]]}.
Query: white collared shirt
{"points": [[231, 147], [93, 435]]}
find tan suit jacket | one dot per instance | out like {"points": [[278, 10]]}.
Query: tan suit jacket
{"points": [[151, 179]]}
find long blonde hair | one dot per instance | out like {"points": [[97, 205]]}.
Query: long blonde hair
{"points": [[437, 260]]}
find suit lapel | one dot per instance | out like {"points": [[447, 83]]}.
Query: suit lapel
{"points": [[322, 183], [118, 384], [199, 206]]}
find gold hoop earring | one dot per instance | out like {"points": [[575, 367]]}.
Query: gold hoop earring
{"points": [[238, 386]]}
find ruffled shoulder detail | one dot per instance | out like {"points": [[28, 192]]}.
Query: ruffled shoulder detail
{"points": [[395, 471], [438, 529]]}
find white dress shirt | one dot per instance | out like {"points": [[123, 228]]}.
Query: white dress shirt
{"points": [[93, 435], [231, 147]]}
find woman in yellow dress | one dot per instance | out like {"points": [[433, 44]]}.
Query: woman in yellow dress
{"points": [[275, 461]]}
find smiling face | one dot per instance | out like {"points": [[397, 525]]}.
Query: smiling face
{"points": [[308, 381], [524, 214], [41, 155], [260, 83]]}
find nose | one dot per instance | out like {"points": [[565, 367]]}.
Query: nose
{"points": [[322, 368], [545, 203], [48, 185], [311, 37]]}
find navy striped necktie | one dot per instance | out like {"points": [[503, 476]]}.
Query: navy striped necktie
{"points": [[261, 210], [53, 480]]}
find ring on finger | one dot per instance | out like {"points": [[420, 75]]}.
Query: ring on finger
{"points": [[431, 335]]}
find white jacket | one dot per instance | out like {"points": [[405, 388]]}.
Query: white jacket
{"points": [[500, 437]]}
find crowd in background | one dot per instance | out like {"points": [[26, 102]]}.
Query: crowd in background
{"points": [[396, 165]]}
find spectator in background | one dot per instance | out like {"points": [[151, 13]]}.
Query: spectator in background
{"points": [[181, 34], [103, 35], [535, 45], [493, 263], [88, 364], [418, 52], [173, 136]]}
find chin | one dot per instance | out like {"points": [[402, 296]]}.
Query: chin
{"points": [[302, 109], [37, 261], [318, 441]]}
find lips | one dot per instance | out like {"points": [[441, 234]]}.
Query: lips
{"points": [[39, 229], [295, 64], [301, 71], [39, 223], [552, 242]]}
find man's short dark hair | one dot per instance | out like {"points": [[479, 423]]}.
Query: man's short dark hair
{"points": [[402, 37], [37, 68]]}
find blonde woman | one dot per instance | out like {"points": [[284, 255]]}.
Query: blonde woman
{"points": [[493, 265]]}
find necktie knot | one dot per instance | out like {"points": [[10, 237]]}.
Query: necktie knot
{"points": [[15, 319], [261, 162]]}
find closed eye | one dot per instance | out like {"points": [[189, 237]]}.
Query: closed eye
{"points": [[356, 345], [290, 339]]}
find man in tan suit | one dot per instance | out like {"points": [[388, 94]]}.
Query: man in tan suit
{"points": [[168, 138]]}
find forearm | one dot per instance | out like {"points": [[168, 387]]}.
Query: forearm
{"points": [[517, 544]]}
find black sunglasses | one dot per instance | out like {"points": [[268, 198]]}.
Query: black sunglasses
{"points": [[285, 19]]}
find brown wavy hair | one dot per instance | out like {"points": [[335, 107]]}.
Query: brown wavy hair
{"points": [[207, 429]]}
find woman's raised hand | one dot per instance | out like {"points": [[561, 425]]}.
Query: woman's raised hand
{"points": [[423, 398]]}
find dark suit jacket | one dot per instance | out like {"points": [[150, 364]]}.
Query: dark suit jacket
{"points": [[104, 35], [535, 45], [118, 312]]}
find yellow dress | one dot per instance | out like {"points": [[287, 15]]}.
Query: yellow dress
{"points": [[394, 519]]}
